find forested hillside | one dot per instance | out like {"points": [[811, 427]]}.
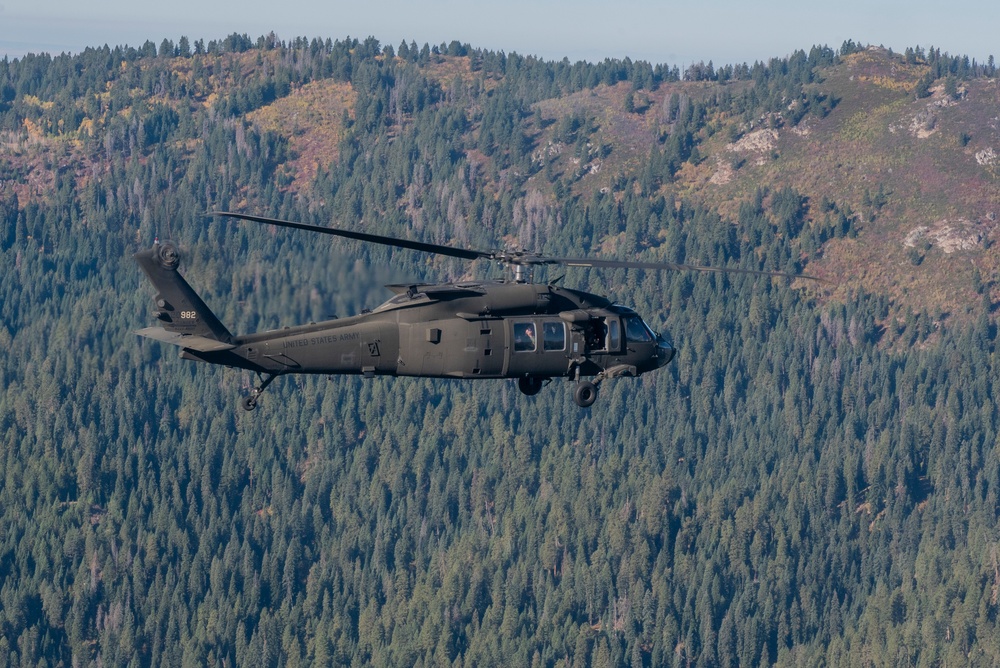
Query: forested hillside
{"points": [[814, 479]]}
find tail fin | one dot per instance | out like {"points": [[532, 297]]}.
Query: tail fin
{"points": [[187, 321]]}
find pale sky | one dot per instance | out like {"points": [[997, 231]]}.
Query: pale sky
{"points": [[663, 31]]}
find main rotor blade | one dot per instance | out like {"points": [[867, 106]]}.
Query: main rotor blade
{"points": [[506, 257], [671, 266], [465, 254]]}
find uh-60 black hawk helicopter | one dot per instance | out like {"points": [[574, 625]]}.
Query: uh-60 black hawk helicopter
{"points": [[510, 328]]}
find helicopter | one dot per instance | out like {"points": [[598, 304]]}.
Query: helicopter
{"points": [[509, 328]]}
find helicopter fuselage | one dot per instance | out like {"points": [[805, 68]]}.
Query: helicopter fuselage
{"points": [[494, 329], [471, 330]]}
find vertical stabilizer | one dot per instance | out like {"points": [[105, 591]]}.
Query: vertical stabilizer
{"points": [[178, 308]]}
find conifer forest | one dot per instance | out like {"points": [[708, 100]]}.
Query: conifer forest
{"points": [[813, 480]]}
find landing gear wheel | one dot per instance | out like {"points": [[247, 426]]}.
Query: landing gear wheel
{"points": [[585, 394], [529, 385], [249, 402]]}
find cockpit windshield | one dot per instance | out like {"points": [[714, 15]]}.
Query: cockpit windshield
{"points": [[636, 330]]}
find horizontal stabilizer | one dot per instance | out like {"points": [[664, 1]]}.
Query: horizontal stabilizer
{"points": [[200, 343]]}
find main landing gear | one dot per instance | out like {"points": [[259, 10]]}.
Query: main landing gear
{"points": [[585, 394], [249, 402]]}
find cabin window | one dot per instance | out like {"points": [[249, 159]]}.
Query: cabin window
{"points": [[636, 330], [525, 340], [553, 336]]}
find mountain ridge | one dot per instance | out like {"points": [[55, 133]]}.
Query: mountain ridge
{"points": [[919, 170]]}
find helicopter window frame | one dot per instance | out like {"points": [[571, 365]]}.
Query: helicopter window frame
{"points": [[525, 337], [553, 336]]}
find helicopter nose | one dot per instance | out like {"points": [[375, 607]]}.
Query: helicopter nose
{"points": [[665, 352]]}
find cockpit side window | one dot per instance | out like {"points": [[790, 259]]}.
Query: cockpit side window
{"points": [[636, 330], [614, 335]]}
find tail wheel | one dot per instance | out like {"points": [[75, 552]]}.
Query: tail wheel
{"points": [[249, 402], [585, 394], [529, 385]]}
